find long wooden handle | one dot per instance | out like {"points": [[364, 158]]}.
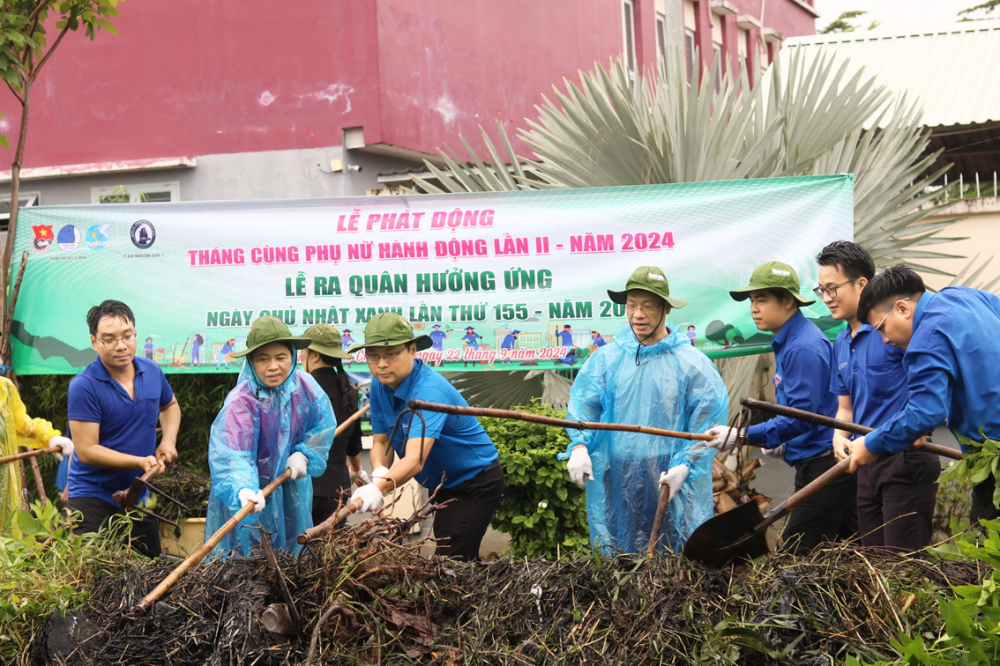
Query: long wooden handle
{"points": [[30, 454], [548, 420], [331, 522], [661, 511], [131, 494], [810, 489], [822, 420], [147, 602]]}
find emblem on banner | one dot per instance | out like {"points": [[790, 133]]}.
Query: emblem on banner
{"points": [[97, 236], [143, 234], [43, 237], [68, 238]]}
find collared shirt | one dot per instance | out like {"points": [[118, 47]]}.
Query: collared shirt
{"points": [[871, 373], [508, 342], [599, 341], [126, 425], [461, 448], [566, 337], [804, 359], [951, 370]]}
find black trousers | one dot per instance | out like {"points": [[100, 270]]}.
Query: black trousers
{"points": [[323, 507], [896, 500], [144, 535], [828, 515], [982, 501], [459, 528]]}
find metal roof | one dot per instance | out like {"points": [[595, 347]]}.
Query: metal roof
{"points": [[954, 70]]}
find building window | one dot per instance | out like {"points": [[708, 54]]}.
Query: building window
{"points": [[689, 50], [144, 193], [661, 39], [24, 199], [628, 24], [717, 54]]}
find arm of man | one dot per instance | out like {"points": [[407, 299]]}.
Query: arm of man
{"points": [[842, 438], [86, 437], [407, 467], [802, 391], [586, 401], [170, 423]]}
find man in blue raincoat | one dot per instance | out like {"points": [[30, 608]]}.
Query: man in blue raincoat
{"points": [[651, 376], [275, 418]]}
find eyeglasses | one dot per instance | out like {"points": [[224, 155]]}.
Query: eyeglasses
{"points": [[878, 329], [832, 291], [111, 344], [375, 359], [645, 309]]}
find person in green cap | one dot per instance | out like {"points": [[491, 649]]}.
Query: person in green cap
{"points": [[322, 360], [804, 362], [651, 376], [275, 418], [433, 448]]}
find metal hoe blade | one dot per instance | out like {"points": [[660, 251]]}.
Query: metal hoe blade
{"points": [[728, 536]]}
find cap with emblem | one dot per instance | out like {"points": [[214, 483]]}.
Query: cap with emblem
{"points": [[267, 329], [651, 279], [772, 275], [387, 329], [326, 339]]}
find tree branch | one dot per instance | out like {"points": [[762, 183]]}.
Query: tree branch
{"points": [[42, 6], [14, 92], [52, 48]]}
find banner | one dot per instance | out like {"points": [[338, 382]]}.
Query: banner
{"points": [[500, 281]]}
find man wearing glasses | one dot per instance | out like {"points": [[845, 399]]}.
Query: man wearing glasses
{"points": [[951, 344], [804, 360], [897, 495], [433, 448], [113, 407], [651, 376]]}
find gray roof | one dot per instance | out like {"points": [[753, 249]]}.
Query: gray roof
{"points": [[954, 69]]}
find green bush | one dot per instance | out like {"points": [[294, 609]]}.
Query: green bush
{"points": [[543, 511]]}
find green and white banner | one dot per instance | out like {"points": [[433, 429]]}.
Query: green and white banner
{"points": [[508, 280]]}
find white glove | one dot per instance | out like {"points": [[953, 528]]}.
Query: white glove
{"points": [[297, 465], [249, 495], [360, 474], [579, 466], [380, 472], [370, 496], [64, 443], [724, 438], [776, 452], [674, 478]]}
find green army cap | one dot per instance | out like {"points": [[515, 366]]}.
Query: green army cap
{"points": [[387, 329], [267, 329], [772, 275], [651, 279], [326, 340]]}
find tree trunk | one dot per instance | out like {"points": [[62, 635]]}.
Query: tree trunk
{"points": [[15, 191]]}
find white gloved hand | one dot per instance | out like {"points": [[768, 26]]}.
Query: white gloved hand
{"points": [[65, 443], [297, 464], [360, 474], [370, 496], [776, 452], [724, 438], [579, 466], [380, 472], [674, 478], [250, 495]]}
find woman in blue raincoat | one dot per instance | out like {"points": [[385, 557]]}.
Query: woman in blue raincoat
{"points": [[275, 418], [650, 376]]}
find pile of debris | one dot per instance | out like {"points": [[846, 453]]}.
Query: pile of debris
{"points": [[365, 595]]}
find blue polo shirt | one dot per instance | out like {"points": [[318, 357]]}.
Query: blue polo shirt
{"points": [[508, 341], [461, 448], [127, 425], [566, 337], [804, 360], [951, 370], [871, 372]]}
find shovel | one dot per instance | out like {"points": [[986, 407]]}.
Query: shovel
{"points": [[740, 533]]}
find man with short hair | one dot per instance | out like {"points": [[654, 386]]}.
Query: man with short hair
{"points": [[951, 345], [651, 376], [804, 359], [113, 407], [508, 343], [434, 448], [897, 495], [565, 336]]}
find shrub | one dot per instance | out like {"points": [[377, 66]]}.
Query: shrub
{"points": [[542, 510]]}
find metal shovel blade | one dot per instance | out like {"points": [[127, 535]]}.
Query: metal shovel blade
{"points": [[713, 542]]}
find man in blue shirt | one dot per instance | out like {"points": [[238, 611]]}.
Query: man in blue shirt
{"points": [[453, 451], [113, 407], [804, 359], [438, 337], [471, 339], [897, 495], [951, 345], [508, 343], [565, 336]]}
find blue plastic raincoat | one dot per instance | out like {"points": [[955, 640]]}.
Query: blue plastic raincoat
{"points": [[675, 387], [251, 439]]}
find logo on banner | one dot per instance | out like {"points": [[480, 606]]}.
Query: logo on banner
{"points": [[43, 237], [143, 234], [68, 238], [97, 236]]}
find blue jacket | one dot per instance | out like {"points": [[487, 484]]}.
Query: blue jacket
{"points": [[951, 370]]}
